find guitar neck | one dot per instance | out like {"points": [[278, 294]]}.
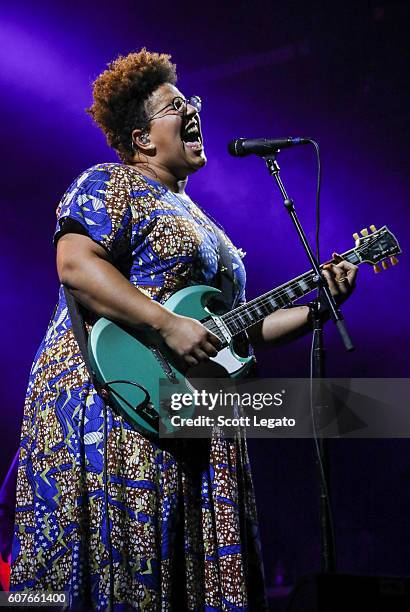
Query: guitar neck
{"points": [[256, 310]]}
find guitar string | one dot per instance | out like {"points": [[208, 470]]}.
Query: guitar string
{"points": [[273, 296], [261, 302], [234, 316], [249, 308], [296, 282], [273, 301], [281, 291]]}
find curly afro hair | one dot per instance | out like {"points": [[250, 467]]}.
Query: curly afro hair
{"points": [[120, 94]]}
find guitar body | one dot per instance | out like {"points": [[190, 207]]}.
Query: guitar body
{"points": [[132, 357]]}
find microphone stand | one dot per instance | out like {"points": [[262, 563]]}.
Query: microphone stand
{"points": [[328, 549], [328, 553]]}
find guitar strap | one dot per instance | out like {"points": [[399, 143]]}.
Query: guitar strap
{"points": [[80, 333]]}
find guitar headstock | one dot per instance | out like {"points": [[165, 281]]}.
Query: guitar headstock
{"points": [[377, 245]]}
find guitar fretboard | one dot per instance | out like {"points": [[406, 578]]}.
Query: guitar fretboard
{"points": [[256, 310]]}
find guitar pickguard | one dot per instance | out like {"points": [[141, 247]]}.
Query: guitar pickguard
{"points": [[228, 361]]}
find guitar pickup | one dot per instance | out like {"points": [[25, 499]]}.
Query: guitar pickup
{"points": [[222, 328]]}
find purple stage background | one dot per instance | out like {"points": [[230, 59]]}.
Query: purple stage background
{"points": [[336, 72]]}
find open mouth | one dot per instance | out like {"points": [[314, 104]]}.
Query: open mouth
{"points": [[191, 135]]}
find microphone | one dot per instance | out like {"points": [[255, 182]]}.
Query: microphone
{"points": [[262, 146]]}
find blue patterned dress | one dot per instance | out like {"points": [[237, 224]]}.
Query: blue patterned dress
{"points": [[177, 534]]}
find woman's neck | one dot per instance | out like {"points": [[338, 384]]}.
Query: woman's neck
{"points": [[162, 175]]}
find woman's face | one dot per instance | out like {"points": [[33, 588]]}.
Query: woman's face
{"points": [[176, 135]]}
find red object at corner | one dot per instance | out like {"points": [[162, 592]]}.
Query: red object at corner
{"points": [[4, 574]]}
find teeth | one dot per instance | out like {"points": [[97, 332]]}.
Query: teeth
{"points": [[191, 128], [191, 135]]}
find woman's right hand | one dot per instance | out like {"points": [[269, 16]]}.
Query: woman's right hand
{"points": [[189, 339]]}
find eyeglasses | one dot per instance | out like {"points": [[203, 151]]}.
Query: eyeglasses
{"points": [[180, 105]]}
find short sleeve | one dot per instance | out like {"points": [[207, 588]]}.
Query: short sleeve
{"points": [[97, 204]]}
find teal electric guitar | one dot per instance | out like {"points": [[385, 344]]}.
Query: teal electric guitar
{"points": [[129, 363]]}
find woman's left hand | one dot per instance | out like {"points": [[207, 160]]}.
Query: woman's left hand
{"points": [[341, 277]]}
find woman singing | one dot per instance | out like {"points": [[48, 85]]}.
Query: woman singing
{"points": [[167, 533]]}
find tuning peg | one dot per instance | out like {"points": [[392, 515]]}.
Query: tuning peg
{"points": [[377, 268], [356, 236], [394, 260], [373, 228], [364, 231], [385, 265]]}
